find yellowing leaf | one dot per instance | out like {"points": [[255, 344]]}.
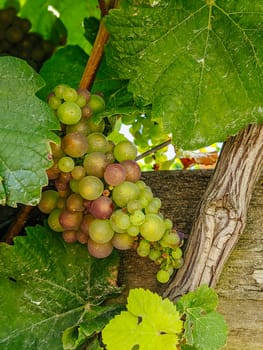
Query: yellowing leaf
{"points": [[150, 322]]}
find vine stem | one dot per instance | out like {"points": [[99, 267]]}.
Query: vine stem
{"points": [[95, 58]]}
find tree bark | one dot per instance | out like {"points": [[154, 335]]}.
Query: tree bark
{"points": [[221, 216]]}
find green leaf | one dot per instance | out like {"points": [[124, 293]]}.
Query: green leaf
{"points": [[205, 329], [150, 322], [25, 132], [92, 322], [46, 285], [66, 66], [203, 297], [198, 63], [40, 13]]}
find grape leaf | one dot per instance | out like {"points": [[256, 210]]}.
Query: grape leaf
{"points": [[41, 13], [198, 63], [25, 132], [46, 285], [66, 66], [149, 322], [205, 329], [92, 322], [203, 297]]}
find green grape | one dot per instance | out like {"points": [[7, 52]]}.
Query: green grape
{"points": [[177, 253], [97, 142], [137, 218], [143, 248], [134, 205], [141, 185], [168, 224], [125, 150], [95, 164], [53, 220], [153, 227], [69, 94], [94, 126], [163, 276], [90, 187], [66, 164], [81, 101], [78, 172], [59, 90], [170, 239], [69, 113], [74, 185], [133, 230], [100, 231], [54, 102], [178, 263], [48, 201], [154, 254], [153, 206], [96, 103], [119, 221], [124, 193], [122, 241], [74, 144]]}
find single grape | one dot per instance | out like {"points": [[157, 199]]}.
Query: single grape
{"points": [[154, 206], [85, 223], [120, 221], [69, 236], [177, 253], [48, 201], [163, 276], [96, 103], [125, 192], [102, 207], [97, 142], [80, 127], [99, 250], [125, 150], [54, 102], [177, 263], [133, 170], [53, 220], [78, 172], [170, 239], [114, 174], [74, 144], [69, 94], [86, 112], [95, 164], [74, 202], [56, 150], [153, 227], [85, 93], [95, 126], [59, 90], [137, 218], [69, 113], [70, 220], [100, 231], [122, 241], [74, 185], [133, 230], [81, 101], [134, 205], [82, 237], [90, 187], [154, 254], [66, 164], [143, 248]]}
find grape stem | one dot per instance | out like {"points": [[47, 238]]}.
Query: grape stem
{"points": [[154, 149], [98, 48]]}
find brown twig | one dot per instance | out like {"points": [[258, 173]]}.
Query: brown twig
{"points": [[154, 149], [98, 48], [95, 58], [18, 224]]}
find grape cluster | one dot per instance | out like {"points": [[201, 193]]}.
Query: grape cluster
{"points": [[17, 40], [98, 198]]}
